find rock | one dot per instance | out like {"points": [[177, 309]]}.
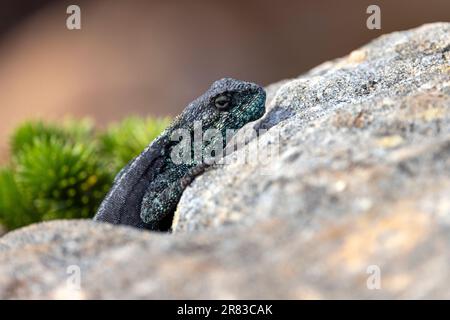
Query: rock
{"points": [[354, 204], [339, 126]]}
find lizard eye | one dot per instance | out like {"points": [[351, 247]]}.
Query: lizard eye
{"points": [[222, 102]]}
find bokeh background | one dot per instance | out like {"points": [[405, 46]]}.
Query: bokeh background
{"points": [[154, 57]]}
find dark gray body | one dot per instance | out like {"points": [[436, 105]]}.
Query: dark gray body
{"points": [[146, 192]]}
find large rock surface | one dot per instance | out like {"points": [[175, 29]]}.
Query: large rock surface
{"points": [[361, 182]]}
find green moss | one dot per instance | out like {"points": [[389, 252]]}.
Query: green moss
{"points": [[15, 209], [60, 171], [26, 135], [57, 175], [125, 140]]}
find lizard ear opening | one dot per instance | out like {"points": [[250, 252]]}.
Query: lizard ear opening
{"points": [[223, 101]]}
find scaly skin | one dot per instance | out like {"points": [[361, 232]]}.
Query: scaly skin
{"points": [[146, 192]]}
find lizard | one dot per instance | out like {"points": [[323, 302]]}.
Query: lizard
{"points": [[145, 193]]}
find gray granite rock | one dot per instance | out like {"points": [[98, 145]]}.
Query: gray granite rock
{"points": [[359, 186], [346, 115]]}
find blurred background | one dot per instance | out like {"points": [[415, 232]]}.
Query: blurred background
{"points": [[154, 57]]}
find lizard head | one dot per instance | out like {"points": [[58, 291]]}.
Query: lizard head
{"points": [[236, 103], [228, 104]]}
